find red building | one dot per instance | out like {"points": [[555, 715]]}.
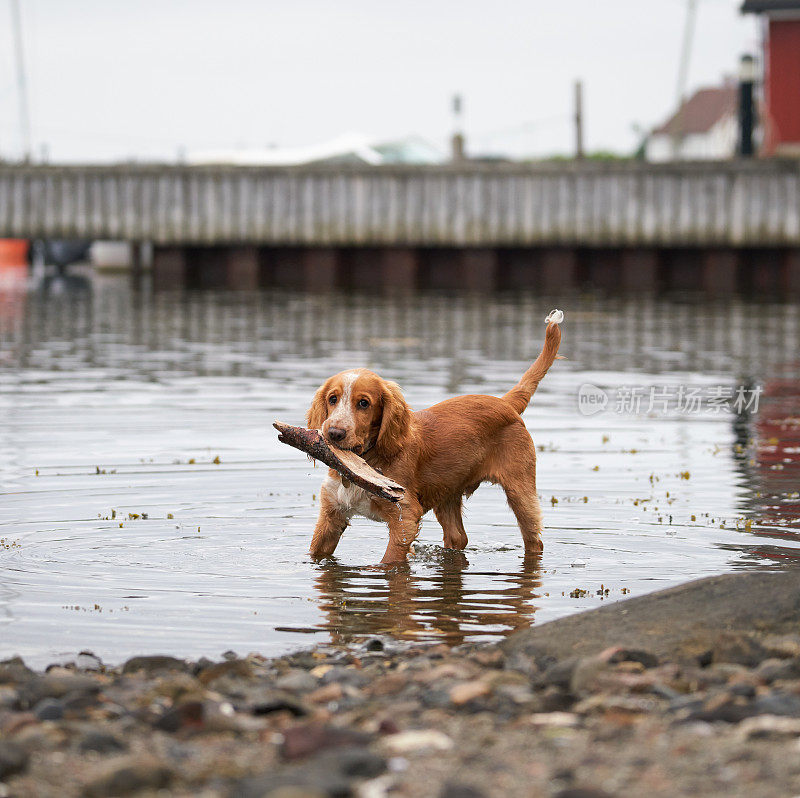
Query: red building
{"points": [[781, 106]]}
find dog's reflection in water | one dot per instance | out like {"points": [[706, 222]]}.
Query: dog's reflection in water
{"points": [[436, 597]]}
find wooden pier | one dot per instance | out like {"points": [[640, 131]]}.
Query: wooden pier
{"points": [[714, 226]]}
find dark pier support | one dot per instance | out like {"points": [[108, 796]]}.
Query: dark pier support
{"points": [[716, 271], [791, 272], [137, 263], [320, 269], [398, 269], [720, 271], [169, 268], [558, 268], [517, 269], [478, 270], [243, 268], [638, 269]]}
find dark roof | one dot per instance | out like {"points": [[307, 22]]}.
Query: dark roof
{"points": [[701, 111], [762, 6]]}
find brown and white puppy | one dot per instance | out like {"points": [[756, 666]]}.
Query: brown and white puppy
{"points": [[440, 455]]}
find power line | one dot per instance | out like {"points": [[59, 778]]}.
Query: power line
{"points": [[683, 70]]}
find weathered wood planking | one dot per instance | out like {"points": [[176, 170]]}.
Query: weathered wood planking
{"points": [[754, 203]]}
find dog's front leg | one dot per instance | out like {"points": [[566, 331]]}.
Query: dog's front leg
{"points": [[330, 525], [403, 519]]}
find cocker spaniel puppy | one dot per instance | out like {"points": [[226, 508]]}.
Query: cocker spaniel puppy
{"points": [[440, 455]]}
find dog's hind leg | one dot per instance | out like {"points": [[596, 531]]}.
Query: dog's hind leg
{"points": [[515, 470], [525, 504], [448, 514]]}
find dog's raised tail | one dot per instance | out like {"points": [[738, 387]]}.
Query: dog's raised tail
{"points": [[520, 395]]}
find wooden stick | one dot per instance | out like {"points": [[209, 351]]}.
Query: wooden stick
{"points": [[347, 463]]}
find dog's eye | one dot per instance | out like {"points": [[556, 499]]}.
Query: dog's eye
{"points": [[332, 400], [363, 402]]}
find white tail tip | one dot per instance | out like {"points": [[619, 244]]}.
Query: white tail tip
{"points": [[555, 316]]}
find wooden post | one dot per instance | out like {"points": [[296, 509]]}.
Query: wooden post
{"points": [[457, 142], [243, 267], [720, 271], [579, 119], [207, 267], [765, 269], [791, 272], [638, 269], [684, 270], [478, 270], [603, 268], [439, 268], [282, 267], [398, 268], [558, 267], [137, 266], [169, 267], [320, 269]]}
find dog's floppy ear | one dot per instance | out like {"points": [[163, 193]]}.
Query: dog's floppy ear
{"points": [[318, 411], [395, 421]]}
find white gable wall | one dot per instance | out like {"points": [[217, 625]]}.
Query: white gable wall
{"points": [[718, 143]]}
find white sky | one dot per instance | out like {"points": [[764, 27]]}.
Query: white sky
{"points": [[110, 79]]}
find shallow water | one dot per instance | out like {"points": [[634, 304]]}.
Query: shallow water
{"points": [[114, 403]]}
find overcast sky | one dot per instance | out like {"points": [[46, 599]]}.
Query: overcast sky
{"points": [[112, 79]]}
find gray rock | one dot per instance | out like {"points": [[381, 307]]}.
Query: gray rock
{"points": [[280, 703], [766, 601], [559, 674], [743, 690], [77, 702], [49, 709], [584, 676], [101, 742], [327, 775], [56, 684], [87, 661], [296, 681], [729, 710], [645, 658], [153, 664], [348, 676], [13, 759], [9, 699], [521, 663], [306, 739], [457, 790], [293, 785], [740, 649], [437, 698], [185, 714], [15, 671], [359, 763], [127, 777], [777, 703], [554, 699], [773, 670]]}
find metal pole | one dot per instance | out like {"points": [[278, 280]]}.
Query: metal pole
{"points": [[22, 88], [457, 141], [578, 119], [683, 73]]}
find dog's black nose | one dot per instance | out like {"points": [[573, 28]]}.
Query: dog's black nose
{"points": [[336, 434]]}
